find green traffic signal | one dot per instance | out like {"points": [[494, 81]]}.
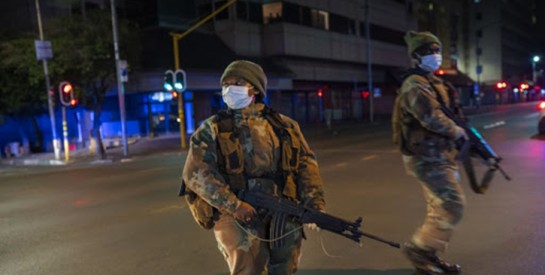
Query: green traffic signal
{"points": [[168, 83], [180, 80]]}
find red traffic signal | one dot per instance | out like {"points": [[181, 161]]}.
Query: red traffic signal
{"points": [[66, 94]]}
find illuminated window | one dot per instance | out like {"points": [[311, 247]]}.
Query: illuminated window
{"points": [[319, 19], [272, 12]]}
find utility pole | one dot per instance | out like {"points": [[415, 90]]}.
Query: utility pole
{"points": [[175, 39], [56, 141], [369, 67], [120, 88]]}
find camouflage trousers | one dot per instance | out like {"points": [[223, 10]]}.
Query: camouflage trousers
{"points": [[445, 200], [246, 254]]}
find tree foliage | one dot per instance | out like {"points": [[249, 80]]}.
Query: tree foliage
{"points": [[22, 86], [83, 54]]}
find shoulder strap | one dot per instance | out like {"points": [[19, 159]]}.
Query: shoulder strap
{"points": [[273, 117], [225, 121]]}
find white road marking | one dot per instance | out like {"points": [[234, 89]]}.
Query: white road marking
{"points": [[494, 125], [152, 169], [342, 164], [533, 115], [168, 208], [369, 157]]}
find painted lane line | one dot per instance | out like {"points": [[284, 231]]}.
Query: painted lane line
{"points": [[341, 164], [369, 157], [531, 116], [494, 125], [168, 208]]}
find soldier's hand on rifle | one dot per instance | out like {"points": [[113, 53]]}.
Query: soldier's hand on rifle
{"points": [[461, 133], [245, 212], [313, 226]]}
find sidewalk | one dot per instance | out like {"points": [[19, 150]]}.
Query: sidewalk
{"points": [[149, 146]]}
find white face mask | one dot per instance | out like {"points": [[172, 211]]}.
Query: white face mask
{"points": [[431, 62], [236, 97]]}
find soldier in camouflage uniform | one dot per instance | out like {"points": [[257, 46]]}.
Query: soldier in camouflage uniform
{"points": [[242, 232], [427, 141]]}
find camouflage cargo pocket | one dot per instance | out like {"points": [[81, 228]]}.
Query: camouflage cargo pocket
{"points": [[202, 212], [232, 151], [290, 151]]}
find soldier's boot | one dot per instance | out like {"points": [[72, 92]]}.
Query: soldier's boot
{"points": [[427, 262]]}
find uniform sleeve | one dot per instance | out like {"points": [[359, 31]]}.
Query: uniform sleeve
{"points": [[201, 173], [309, 181], [421, 103]]}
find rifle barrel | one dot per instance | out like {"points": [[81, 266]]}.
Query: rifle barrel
{"points": [[376, 238]]}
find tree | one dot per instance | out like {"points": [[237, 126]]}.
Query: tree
{"points": [[83, 54], [22, 87]]}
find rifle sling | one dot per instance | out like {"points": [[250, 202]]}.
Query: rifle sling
{"points": [[465, 158]]}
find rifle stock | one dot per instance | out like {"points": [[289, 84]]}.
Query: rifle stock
{"points": [[304, 214]]}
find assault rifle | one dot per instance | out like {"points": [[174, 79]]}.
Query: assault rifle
{"points": [[477, 145], [281, 208]]}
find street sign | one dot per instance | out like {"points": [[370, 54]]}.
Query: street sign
{"points": [[479, 69], [43, 49], [123, 71]]}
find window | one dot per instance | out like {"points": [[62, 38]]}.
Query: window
{"points": [[272, 12], [341, 24], [319, 19], [249, 11], [478, 16], [387, 35], [224, 14], [479, 51], [479, 33], [256, 12], [291, 13], [362, 29]]}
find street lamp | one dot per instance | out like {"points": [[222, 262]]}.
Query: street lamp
{"points": [[535, 59]]}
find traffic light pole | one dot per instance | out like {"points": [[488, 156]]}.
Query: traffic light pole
{"points": [[175, 39], [65, 135], [56, 141], [181, 116]]}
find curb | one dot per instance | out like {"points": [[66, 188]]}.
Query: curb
{"points": [[36, 162]]}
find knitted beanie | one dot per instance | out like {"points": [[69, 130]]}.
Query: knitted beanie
{"points": [[250, 71], [416, 40]]}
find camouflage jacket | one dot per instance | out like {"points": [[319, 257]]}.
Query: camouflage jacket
{"points": [[261, 154], [426, 130]]}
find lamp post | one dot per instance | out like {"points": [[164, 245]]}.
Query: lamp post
{"points": [[535, 59]]}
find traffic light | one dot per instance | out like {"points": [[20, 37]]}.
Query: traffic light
{"points": [[66, 94], [168, 83], [180, 81]]}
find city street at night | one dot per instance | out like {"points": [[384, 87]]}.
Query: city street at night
{"points": [[126, 217]]}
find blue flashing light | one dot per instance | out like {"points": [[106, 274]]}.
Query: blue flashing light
{"points": [[190, 126]]}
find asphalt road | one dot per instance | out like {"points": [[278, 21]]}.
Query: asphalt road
{"points": [[125, 218]]}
